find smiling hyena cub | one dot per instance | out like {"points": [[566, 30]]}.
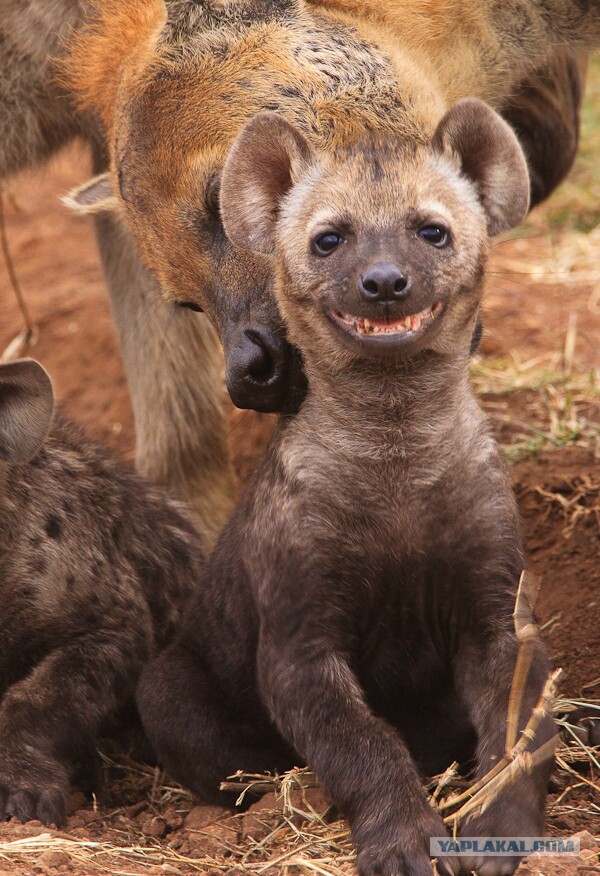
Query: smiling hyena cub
{"points": [[357, 612], [95, 564]]}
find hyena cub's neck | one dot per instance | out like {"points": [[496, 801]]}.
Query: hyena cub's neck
{"points": [[425, 409]]}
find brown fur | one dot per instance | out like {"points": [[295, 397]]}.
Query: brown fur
{"points": [[37, 115], [172, 359], [334, 69], [122, 38], [357, 611], [95, 565]]}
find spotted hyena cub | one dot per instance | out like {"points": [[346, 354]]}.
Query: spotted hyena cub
{"points": [[95, 564], [357, 611]]}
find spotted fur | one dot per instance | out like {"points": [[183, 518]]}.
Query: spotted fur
{"points": [[95, 565]]}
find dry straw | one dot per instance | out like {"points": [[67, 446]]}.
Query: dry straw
{"points": [[28, 335]]}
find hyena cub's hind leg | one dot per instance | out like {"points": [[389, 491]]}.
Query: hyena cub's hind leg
{"points": [[48, 721], [198, 739]]}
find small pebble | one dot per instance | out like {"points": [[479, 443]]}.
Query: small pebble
{"points": [[155, 827], [201, 816], [54, 859]]}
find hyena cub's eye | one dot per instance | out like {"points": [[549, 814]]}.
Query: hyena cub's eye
{"points": [[326, 243], [436, 235]]}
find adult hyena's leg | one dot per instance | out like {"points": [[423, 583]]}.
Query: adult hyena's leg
{"points": [[173, 362], [36, 114]]}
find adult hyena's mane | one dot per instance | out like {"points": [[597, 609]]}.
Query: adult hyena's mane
{"points": [[124, 39], [186, 19], [119, 41]]}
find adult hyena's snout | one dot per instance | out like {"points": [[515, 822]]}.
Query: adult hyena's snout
{"points": [[263, 371]]}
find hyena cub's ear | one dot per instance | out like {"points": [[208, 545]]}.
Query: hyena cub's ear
{"points": [[490, 155], [94, 196], [26, 405], [267, 159]]}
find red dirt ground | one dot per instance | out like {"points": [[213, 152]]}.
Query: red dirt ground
{"points": [[56, 259]]}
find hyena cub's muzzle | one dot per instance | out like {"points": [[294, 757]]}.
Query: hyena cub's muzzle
{"points": [[385, 314]]}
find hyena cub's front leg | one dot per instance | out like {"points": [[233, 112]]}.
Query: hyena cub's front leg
{"points": [[362, 762]]}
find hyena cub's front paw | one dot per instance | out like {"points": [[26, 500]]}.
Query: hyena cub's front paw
{"points": [[508, 819], [32, 785], [397, 843]]}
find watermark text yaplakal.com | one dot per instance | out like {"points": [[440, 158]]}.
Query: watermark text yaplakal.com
{"points": [[502, 847]]}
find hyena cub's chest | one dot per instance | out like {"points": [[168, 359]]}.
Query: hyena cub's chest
{"points": [[406, 639]]}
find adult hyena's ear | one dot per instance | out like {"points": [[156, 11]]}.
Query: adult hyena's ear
{"points": [[267, 159], [490, 155], [94, 196], [26, 405]]}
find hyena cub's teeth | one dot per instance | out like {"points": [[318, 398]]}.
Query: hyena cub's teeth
{"points": [[364, 326]]}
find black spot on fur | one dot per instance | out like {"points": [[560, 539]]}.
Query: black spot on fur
{"points": [[37, 461], [53, 527]]}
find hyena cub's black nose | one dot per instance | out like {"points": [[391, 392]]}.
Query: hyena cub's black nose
{"points": [[384, 281]]}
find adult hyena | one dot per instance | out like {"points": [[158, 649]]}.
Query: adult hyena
{"points": [[173, 83]]}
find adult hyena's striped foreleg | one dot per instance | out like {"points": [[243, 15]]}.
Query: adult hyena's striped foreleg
{"points": [[173, 362]]}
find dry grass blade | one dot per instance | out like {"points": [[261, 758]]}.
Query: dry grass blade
{"points": [[578, 499], [557, 405], [26, 337], [565, 766], [444, 781], [90, 851], [490, 785], [527, 635], [522, 763]]}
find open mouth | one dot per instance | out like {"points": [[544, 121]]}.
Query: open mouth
{"points": [[405, 326]]}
